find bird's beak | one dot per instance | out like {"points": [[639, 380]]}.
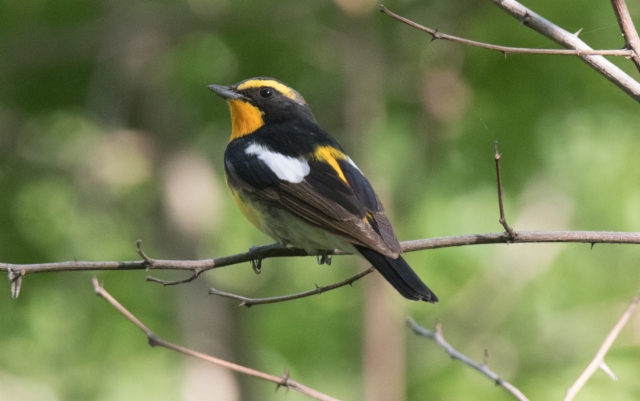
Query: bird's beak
{"points": [[225, 92]]}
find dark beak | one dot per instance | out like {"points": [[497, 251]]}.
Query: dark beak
{"points": [[225, 92]]}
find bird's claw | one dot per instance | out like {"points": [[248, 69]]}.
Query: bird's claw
{"points": [[256, 265], [323, 258]]}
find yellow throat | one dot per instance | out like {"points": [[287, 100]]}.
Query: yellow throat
{"points": [[245, 118]]}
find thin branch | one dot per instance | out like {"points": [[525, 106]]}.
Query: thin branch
{"points": [[154, 340], [195, 275], [248, 302], [571, 41], [566, 39], [435, 34], [631, 39], [598, 360], [151, 263], [588, 237], [454, 354], [503, 220]]}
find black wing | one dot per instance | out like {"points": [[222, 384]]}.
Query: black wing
{"points": [[334, 196]]}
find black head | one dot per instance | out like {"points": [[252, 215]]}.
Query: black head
{"points": [[276, 101]]}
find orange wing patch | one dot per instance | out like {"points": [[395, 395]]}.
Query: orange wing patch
{"points": [[331, 156]]}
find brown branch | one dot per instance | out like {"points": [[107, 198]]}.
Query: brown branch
{"points": [[248, 302], [577, 47], [435, 34], [503, 220], [571, 41], [16, 271], [598, 360], [631, 39], [454, 354], [154, 340]]}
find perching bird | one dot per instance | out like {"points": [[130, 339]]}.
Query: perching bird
{"points": [[294, 182]]}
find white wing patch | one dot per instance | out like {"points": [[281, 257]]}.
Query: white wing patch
{"points": [[284, 167], [352, 163]]}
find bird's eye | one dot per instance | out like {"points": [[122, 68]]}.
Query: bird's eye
{"points": [[266, 92]]}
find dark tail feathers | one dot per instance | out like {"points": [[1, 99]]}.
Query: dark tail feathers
{"points": [[400, 275]]}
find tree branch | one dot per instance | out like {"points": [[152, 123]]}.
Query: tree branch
{"points": [[154, 340], [17, 271], [503, 220], [631, 39], [566, 39], [571, 41], [482, 368], [435, 34], [598, 360], [248, 302]]}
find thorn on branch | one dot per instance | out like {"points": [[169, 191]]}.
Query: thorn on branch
{"points": [[285, 381], [435, 35], [152, 339], [485, 359], [578, 32], [525, 18], [606, 369]]}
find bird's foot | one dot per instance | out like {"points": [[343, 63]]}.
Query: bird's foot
{"points": [[265, 248], [324, 258], [256, 264]]}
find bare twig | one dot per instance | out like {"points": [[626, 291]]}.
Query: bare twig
{"points": [[195, 275], [571, 41], [454, 354], [248, 302], [566, 39], [598, 360], [588, 237], [435, 34], [503, 220], [143, 255], [150, 263], [631, 39], [154, 340]]}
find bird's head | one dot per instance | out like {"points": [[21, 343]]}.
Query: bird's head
{"points": [[258, 101]]}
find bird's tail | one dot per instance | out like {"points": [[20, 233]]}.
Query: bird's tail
{"points": [[400, 275]]}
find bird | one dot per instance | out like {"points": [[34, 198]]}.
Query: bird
{"points": [[295, 183]]}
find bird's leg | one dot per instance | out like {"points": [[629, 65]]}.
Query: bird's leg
{"points": [[323, 258], [256, 264]]}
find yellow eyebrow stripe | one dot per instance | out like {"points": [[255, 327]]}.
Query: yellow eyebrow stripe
{"points": [[282, 88], [331, 156]]}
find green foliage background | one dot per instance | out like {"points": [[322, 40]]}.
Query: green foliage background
{"points": [[101, 102]]}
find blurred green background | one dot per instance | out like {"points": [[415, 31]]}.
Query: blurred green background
{"points": [[108, 134]]}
